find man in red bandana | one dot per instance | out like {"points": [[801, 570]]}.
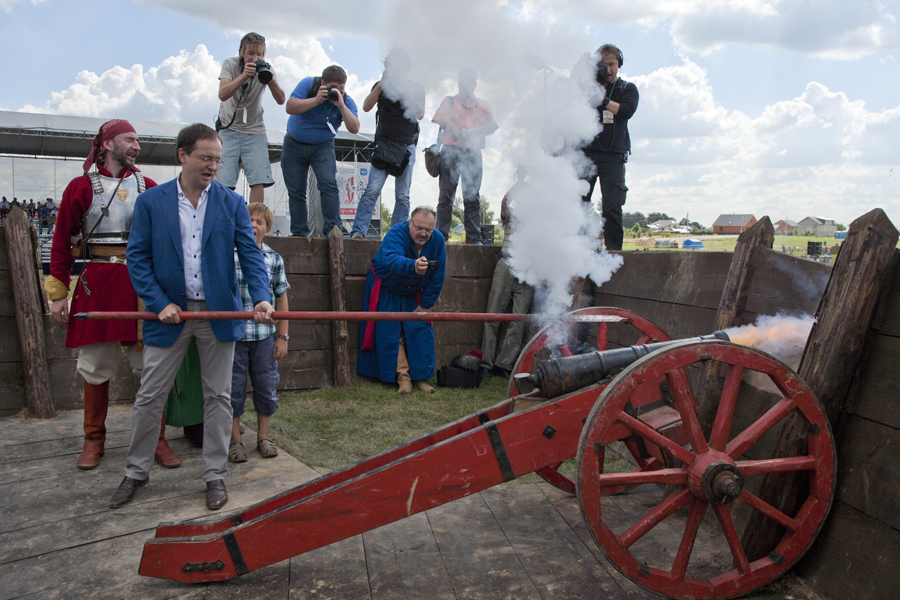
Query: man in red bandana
{"points": [[95, 217]]}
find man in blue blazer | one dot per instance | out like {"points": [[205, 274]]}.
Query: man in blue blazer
{"points": [[180, 257]]}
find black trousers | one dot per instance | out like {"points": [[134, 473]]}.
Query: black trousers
{"points": [[610, 170]]}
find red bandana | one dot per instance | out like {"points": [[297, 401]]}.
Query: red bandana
{"points": [[108, 131]]}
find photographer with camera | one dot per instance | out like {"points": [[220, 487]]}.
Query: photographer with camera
{"points": [[318, 106], [616, 102], [407, 275], [240, 122]]}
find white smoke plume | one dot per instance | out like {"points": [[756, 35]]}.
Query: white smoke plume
{"points": [[543, 115], [782, 336]]}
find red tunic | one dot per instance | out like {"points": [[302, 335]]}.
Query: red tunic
{"points": [[108, 286]]}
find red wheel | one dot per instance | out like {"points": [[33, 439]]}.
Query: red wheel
{"points": [[633, 329], [710, 472]]}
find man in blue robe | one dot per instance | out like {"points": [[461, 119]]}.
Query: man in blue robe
{"points": [[407, 275]]}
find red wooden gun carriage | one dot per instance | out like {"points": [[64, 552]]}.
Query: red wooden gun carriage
{"points": [[572, 406]]}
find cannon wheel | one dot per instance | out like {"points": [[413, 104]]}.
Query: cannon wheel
{"points": [[711, 472], [649, 333]]}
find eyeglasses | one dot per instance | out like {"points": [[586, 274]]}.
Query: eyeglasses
{"points": [[254, 37], [208, 160]]}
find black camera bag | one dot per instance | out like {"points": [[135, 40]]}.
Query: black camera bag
{"points": [[389, 156], [449, 376]]}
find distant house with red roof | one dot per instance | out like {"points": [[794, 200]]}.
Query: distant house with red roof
{"points": [[733, 223]]}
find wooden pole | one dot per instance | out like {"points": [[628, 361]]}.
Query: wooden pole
{"points": [[29, 315], [731, 306], [340, 336], [835, 345]]}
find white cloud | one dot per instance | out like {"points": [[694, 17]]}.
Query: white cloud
{"points": [[182, 88], [7, 5]]}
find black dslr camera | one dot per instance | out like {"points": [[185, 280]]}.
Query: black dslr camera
{"points": [[263, 72], [333, 93], [602, 72]]}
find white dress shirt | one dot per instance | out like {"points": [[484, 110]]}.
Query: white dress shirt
{"points": [[191, 221]]}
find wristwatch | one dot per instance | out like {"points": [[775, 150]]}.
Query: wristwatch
{"points": [[284, 336]]}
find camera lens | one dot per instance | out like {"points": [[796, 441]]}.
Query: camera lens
{"points": [[332, 94], [263, 72]]}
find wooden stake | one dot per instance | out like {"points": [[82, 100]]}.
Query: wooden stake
{"points": [[29, 315], [835, 345], [340, 336], [731, 306]]}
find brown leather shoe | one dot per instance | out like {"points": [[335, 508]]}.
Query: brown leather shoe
{"points": [[164, 455], [216, 496], [125, 493]]}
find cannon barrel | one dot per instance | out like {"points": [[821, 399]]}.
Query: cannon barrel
{"points": [[558, 376]]}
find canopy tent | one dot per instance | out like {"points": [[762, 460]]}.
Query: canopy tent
{"points": [[693, 244], [60, 136], [667, 243], [645, 242]]}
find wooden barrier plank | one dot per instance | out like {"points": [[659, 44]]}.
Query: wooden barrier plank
{"points": [[339, 335], [835, 345], [693, 278], [782, 282], [869, 474], [855, 556], [677, 320], [876, 391], [887, 317]]}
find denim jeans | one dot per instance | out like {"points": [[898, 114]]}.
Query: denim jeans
{"points": [[377, 177], [296, 159]]}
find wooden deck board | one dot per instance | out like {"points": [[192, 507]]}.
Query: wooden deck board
{"points": [[59, 540]]}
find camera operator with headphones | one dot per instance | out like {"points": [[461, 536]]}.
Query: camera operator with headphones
{"points": [[318, 106], [240, 122], [616, 103]]}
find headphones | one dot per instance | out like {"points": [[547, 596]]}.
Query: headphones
{"points": [[611, 49]]}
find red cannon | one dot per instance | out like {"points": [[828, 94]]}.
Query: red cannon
{"points": [[649, 406]]}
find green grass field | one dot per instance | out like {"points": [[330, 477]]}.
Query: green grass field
{"points": [[795, 245]]}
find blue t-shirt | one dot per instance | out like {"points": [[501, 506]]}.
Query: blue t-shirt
{"points": [[311, 127]]}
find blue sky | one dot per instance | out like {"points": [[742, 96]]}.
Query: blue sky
{"points": [[781, 107]]}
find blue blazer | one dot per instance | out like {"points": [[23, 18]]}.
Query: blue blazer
{"points": [[156, 263]]}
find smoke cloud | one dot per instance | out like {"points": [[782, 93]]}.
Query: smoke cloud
{"points": [[544, 114], [782, 336]]}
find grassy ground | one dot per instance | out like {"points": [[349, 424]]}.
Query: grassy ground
{"points": [[329, 428], [795, 245]]}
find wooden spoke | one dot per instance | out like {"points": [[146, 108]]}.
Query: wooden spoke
{"points": [[687, 408], [769, 511], [634, 478], [695, 516], [745, 440], [657, 438], [602, 336], [723, 513], [671, 504], [749, 468], [722, 425]]}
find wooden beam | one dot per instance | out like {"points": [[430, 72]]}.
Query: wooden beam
{"points": [[339, 334], [731, 306], [29, 315], [835, 345]]}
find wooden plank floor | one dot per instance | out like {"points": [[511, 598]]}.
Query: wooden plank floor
{"points": [[58, 539]]}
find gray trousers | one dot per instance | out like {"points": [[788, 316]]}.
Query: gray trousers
{"points": [[160, 367], [506, 290]]}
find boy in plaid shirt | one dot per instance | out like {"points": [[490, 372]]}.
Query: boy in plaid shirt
{"points": [[261, 347]]}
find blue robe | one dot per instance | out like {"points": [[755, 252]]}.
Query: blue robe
{"points": [[394, 263]]}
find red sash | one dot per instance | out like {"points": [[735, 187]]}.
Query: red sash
{"points": [[369, 335]]}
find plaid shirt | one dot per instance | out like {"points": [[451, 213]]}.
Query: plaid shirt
{"points": [[254, 331]]}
